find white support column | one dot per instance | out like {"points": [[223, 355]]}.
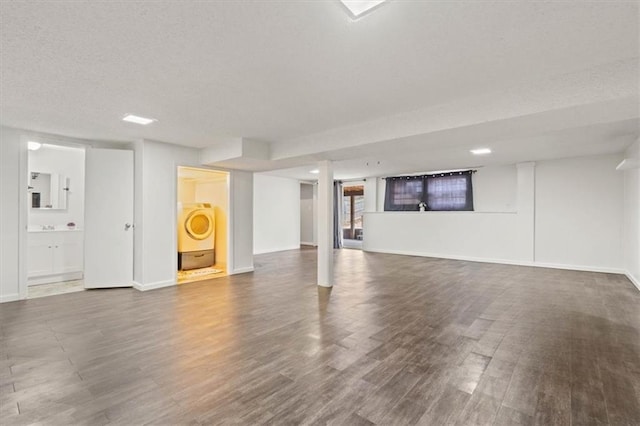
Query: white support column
{"points": [[325, 224]]}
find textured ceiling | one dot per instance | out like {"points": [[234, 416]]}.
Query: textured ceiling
{"points": [[283, 72]]}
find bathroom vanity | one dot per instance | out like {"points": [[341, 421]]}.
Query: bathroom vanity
{"points": [[54, 255]]}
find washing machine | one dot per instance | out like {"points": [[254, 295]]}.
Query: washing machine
{"points": [[196, 236]]}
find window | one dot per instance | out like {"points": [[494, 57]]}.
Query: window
{"points": [[452, 191], [403, 193], [449, 192]]}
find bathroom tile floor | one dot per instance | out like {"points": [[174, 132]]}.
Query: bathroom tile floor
{"points": [[52, 289], [202, 274]]}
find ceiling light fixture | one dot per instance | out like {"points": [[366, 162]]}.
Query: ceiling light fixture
{"points": [[34, 146], [357, 8], [138, 120], [315, 171], [481, 151]]}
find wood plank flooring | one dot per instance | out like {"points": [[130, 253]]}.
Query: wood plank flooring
{"points": [[398, 341]]}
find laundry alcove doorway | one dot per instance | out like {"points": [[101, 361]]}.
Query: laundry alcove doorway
{"points": [[202, 224]]}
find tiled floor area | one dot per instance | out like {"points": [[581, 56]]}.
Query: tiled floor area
{"points": [[398, 340], [52, 289]]}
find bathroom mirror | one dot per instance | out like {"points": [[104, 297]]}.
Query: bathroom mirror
{"points": [[48, 191]]}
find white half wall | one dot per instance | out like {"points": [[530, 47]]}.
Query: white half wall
{"points": [[579, 209], [12, 153], [631, 222], [459, 235], [276, 214]]}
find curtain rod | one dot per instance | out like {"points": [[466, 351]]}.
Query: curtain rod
{"points": [[451, 173]]}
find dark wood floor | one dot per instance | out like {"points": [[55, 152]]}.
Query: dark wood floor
{"points": [[399, 340]]}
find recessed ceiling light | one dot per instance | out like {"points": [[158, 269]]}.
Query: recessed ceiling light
{"points": [[34, 146], [358, 8], [138, 120], [481, 151], [315, 172]]}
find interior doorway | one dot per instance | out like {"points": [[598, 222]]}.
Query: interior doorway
{"points": [[202, 224], [55, 218], [308, 211], [352, 214]]}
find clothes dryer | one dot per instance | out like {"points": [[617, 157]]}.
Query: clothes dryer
{"points": [[196, 236]]}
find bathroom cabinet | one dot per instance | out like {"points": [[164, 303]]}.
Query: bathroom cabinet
{"points": [[56, 255]]}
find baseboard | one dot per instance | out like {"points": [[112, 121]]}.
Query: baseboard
{"points": [[305, 243], [445, 256], [242, 270], [585, 268], [296, 247], [153, 286], [9, 297], [633, 279], [506, 261]]}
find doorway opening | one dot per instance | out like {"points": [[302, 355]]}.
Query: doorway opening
{"points": [[308, 212], [352, 213], [202, 224], [55, 219]]}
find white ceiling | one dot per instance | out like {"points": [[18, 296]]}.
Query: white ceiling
{"points": [[306, 79]]}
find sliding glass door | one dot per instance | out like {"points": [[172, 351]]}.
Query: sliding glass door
{"points": [[352, 210]]}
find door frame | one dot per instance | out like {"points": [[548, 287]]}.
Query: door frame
{"points": [[230, 211], [23, 200]]}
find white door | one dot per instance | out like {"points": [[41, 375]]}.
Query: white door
{"points": [[108, 218]]}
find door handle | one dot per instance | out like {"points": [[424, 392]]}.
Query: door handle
{"points": [[127, 226]]}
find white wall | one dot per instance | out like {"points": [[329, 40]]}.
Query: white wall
{"points": [[569, 215], [579, 205], [308, 213], [631, 222], [11, 154], [70, 163], [242, 221], [494, 189], [276, 214]]}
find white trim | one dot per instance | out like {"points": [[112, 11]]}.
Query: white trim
{"points": [[242, 270], [506, 261], [9, 297], [307, 243], [23, 212], [633, 279], [153, 286], [586, 268]]}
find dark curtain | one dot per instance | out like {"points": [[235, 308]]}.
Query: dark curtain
{"points": [[449, 192], [403, 193], [337, 214], [452, 191]]}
